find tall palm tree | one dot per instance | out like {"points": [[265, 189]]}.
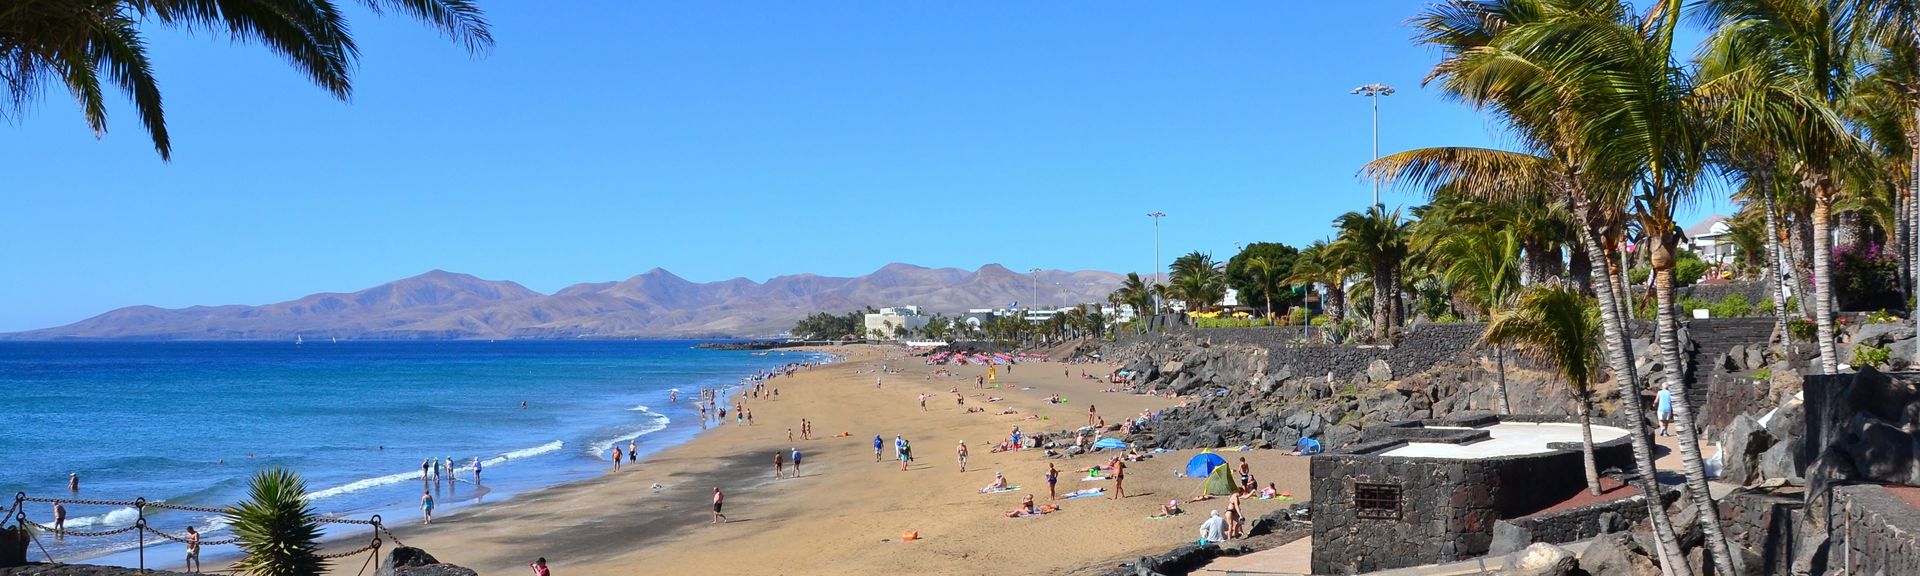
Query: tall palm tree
{"points": [[88, 44], [1547, 68], [1197, 280], [1317, 264], [1554, 323], [1269, 276], [1378, 238], [1895, 24], [1485, 263]]}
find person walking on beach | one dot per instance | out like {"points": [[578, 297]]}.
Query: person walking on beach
{"points": [[876, 447], [617, 457], [796, 462], [425, 465], [539, 567], [476, 470], [59, 520], [789, 434], [426, 505], [193, 550], [633, 450], [779, 464], [963, 456], [1053, 478], [718, 499], [1119, 479]]}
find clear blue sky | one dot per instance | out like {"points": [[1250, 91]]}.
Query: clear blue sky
{"points": [[600, 139]]}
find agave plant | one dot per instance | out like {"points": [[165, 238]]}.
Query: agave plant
{"points": [[276, 528]]}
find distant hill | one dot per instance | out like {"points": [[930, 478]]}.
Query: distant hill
{"points": [[440, 305]]}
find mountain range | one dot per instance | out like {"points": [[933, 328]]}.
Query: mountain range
{"points": [[440, 305]]}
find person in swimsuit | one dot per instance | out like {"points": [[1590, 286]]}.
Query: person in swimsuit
{"points": [[425, 468], [539, 567], [796, 462], [59, 520], [193, 550], [426, 505], [718, 499], [617, 457], [963, 455], [73, 482], [476, 471], [779, 464], [1091, 413], [633, 450], [1119, 479], [1053, 477]]}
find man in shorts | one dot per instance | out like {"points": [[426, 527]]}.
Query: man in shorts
{"points": [[718, 499], [963, 455], [877, 443], [796, 462], [193, 550]]}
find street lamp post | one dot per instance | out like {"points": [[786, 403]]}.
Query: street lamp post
{"points": [[1036, 288], [1374, 92], [1156, 216]]}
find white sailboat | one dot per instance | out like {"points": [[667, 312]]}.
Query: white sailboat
{"points": [[297, 341]]}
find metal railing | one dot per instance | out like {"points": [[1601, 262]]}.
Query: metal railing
{"points": [[142, 528]]}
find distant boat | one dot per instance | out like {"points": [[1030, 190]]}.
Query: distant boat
{"points": [[336, 340], [297, 341]]}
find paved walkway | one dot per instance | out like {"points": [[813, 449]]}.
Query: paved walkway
{"points": [[1291, 559]]}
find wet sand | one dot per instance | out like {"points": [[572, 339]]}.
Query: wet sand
{"points": [[846, 513]]}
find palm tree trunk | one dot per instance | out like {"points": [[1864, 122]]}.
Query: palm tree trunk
{"points": [[1802, 234], [1579, 268], [1500, 374], [1382, 302], [1620, 361], [1911, 249], [1586, 445], [1822, 276], [1777, 259], [1693, 467]]}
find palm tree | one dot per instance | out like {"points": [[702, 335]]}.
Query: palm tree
{"points": [[1895, 24], [1485, 263], [1547, 68], [1554, 323], [1197, 281], [1269, 276], [1317, 264], [276, 528], [1379, 239], [85, 44], [1134, 293]]}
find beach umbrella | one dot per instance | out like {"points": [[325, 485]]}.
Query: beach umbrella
{"points": [[1203, 463], [1112, 444]]}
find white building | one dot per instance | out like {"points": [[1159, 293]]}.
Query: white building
{"points": [[1712, 239], [888, 320]]}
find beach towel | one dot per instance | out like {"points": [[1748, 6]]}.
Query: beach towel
{"points": [[1092, 478], [1160, 517], [1007, 489], [1085, 493]]}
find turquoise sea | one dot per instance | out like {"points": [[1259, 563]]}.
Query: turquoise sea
{"points": [[188, 422]]}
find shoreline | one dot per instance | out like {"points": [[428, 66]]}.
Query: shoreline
{"points": [[461, 494], [847, 512]]}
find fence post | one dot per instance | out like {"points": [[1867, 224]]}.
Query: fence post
{"points": [[140, 527]]}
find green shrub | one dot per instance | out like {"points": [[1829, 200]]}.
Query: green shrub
{"points": [[1688, 269], [1733, 306], [1763, 374], [1689, 304], [1802, 329], [1868, 355], [1881, 316], [1638, 276], [1296, 316]]}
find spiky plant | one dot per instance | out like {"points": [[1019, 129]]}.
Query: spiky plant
{"points": [[276, 528]]}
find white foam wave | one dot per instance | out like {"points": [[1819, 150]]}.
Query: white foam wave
{"points": [[117, 517], [603, 449], [547, 448], [364, 484], [640, 408]]}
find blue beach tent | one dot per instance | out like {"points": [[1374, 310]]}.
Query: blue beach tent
{"points": [[1203, 464], [1110, 444]]}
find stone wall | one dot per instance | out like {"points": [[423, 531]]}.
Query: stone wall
{"points": [[1568, 525], [1764, 521], [1423, 346], [1448, 507], [1873, 532]]}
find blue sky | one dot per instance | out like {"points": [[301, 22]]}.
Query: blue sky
{"points": [[600, 139]]}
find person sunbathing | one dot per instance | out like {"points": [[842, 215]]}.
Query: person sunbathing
{"points": [[1171, 508], [999, 483]]}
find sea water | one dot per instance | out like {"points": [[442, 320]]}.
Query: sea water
{"points": [[189, 422]]}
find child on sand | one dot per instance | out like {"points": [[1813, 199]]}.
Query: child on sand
{"points": [[539, 567]]}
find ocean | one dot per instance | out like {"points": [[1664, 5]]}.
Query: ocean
{"points": [[189, 422]]}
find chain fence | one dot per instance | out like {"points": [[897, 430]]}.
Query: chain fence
{"points": [[18, 514]]}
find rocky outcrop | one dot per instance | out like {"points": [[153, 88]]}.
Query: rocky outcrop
{"points": [[409, 561], [1861, 428], [1541, 560], [1270, 393]]}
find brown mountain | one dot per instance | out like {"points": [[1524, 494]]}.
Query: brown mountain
{"points": [[655, 304]]}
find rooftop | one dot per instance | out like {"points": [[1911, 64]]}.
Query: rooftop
{"points": [[1506, 439]]}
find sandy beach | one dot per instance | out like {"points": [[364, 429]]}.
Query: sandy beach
{"points": [[846, 513]]}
